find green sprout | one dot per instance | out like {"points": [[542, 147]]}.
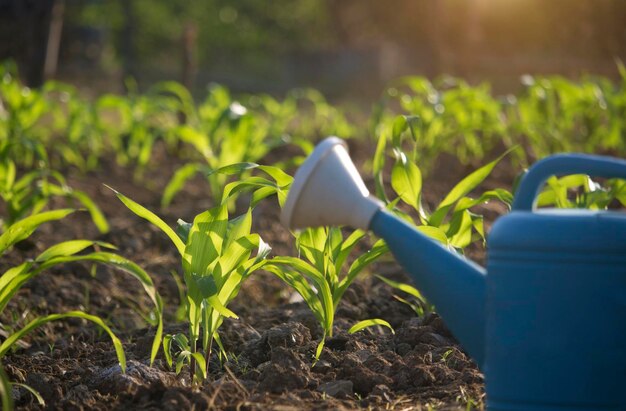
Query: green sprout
{"points": [[321, 275], [216, 256], [14, 278]]}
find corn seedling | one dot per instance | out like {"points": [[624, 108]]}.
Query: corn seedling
{"points": [[14, 278], [452, 223], [216, 258], [419, 305], [226, 133], [21, 109], [30, 193], [455, 118], [587, 193], [321, 275], [361, 325]]}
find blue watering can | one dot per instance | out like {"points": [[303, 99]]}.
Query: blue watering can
{"points": [[546, 321]]}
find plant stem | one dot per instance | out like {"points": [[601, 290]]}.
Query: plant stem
{"points": [[208, 356], [192, 361]]}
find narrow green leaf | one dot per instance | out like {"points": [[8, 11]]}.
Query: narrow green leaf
{"points": [[128, 267], [369, 323], [177, 182], [460, 231], [39, 321], [67, 248], [233, 169], [378, 249], [378, 165], [471, 182], [146, 214], [320, 347], [35, 394], [6, 394], [402, 287], [167, 349], [282, 179], [25, 227], [96, 214], [435, 233]]}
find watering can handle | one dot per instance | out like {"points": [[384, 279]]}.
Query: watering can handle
{"points": [[564, 164]]}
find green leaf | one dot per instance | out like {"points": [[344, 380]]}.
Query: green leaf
{"points": [[460, 231], [321, 284], [206, 237], [346, 247], [69, 248], [399, 126], [24, 228], [282, 179], [11, 280], [96, 214], [233, 169], [402, 287], [34, 393], [6, 394], [167, 349], [146, 214], [470, 182], [369, 323], [39, 321], [298, 283], [182, 229], [231, 189], [378, 249], [320, 347], [406, 181], [128, 267], [435, 233], [178, 180]]}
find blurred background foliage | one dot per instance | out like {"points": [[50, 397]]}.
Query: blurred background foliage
{"points": [[347, 47]]}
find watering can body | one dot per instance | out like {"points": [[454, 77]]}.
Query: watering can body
{"points": [[546, 321], [556, 299], [556, 311]]}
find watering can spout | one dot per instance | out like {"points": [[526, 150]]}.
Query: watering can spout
{"points": [[327, 190], [454, 284]]}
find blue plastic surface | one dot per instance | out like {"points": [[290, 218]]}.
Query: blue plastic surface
{"points": [[556, 299], [547, 325], [454, 284]]}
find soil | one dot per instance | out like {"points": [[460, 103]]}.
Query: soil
{"points": [[72, 364]]}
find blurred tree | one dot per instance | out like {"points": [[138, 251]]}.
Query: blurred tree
{"points": [[147, 32], [24, 26]]}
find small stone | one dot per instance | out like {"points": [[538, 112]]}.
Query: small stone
{"points": [[322, 367], [337, 342], [403, 349], [288, 335], [338, 389], [363, 354]]}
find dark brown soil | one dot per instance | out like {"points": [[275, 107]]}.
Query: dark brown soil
{"points": [[270, 366]]}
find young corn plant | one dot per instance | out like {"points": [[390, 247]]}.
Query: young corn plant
{"points": [[418, 302], [225, 133], [14, 278], [321, 274], [448, 116], [77, 141], [22, 137], [216, 256], [31, 192], [586, 193], [452, 222]]}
